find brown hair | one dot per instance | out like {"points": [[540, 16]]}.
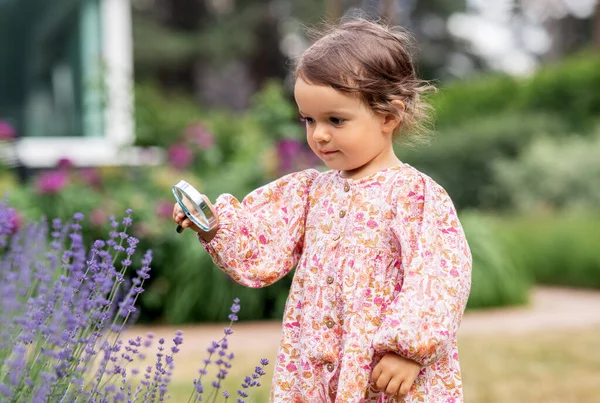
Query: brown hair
{"points": [[373, 61]]}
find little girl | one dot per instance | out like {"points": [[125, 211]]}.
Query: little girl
{"points": [[383, 268]]}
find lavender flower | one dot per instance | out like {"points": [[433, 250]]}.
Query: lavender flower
{"points": [[223, 363], [63, 309]]}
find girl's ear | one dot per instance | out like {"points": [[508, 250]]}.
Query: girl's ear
{"points": [[392, 120]]}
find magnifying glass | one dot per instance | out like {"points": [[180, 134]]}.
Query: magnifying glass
{"points": [[194, 206]]}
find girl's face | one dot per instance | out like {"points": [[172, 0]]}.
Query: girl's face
{"points": [[344, 132]]}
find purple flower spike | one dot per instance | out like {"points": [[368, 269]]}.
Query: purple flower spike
{"points": [[69, 306]]}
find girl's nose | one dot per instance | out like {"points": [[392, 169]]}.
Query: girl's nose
{"points": [[320, 134]]}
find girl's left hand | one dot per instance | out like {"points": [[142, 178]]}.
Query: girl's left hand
{"points": [[394, 375]]}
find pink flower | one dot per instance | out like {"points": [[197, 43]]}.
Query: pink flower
{"points": [[287, 151], [64, 163], [98, 217], [141, 230], [164, 209], [7, 132], [91, 177], [198, 134], [454, 273], [180, 156], [294, 155], [291, 367], [51, 182]]}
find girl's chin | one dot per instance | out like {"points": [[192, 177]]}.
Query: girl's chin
{"points": [[333, 165]]}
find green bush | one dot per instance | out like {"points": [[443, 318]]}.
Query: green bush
{"points": [[567, 89], [461, 158], [465, 100], [557, 249], [498, 278], [553, 174]]}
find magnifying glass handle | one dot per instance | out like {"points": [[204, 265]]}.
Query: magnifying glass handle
{"points": [[179, 229]]}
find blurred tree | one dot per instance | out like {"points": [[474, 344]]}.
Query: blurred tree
{"points": [[334, 9], [222, 51], [219, 50], [597, 26], [428, 21], [572, 25]]}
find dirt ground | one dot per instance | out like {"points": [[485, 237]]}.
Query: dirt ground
{"points": [[549, 309]]}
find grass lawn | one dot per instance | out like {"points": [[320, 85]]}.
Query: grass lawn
{"points": [[533, 368], [539, 367]]}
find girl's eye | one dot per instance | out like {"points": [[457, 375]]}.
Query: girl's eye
{"points": [[308, 121], [336, 121]]}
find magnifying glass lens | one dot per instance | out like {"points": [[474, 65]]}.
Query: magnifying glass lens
{"points": [[194, 206]]}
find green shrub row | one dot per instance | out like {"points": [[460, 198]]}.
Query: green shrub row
{"points": [[462, 158], [552, 174], [568, 89], [557, 249], [498, 277]]}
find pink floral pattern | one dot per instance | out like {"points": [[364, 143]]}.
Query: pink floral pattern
{"points": [[382, 265]]}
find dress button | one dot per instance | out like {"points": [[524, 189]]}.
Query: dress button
{"points": [[329, 279], [342, 213], [330, 367], [329, 323], [346, 187]]}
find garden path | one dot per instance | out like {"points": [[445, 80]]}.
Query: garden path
{"points": [[549, 309]]}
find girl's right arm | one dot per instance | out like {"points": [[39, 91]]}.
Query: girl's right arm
{"points": [[259, 240]]}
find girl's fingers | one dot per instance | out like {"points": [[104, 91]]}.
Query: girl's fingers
{"points": [[393, 387], [405, 387], [375, 373], [382, 382], [177, 213]]}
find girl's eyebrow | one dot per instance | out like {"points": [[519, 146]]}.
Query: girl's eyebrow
{"points": [[329, 113]]}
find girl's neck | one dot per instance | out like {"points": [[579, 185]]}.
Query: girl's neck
{"points": [[379, 163]]}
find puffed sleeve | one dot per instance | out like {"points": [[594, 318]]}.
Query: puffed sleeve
{"points": [[259, 240], [422, 321]]}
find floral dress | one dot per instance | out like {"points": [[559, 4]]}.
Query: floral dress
{"points": [[382, 266]]}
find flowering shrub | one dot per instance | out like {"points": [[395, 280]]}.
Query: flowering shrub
{"points": [[63, 310], [218, 152], [7, 132]]}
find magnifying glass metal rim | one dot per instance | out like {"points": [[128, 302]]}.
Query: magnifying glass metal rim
{"points": [[202, 207]]}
